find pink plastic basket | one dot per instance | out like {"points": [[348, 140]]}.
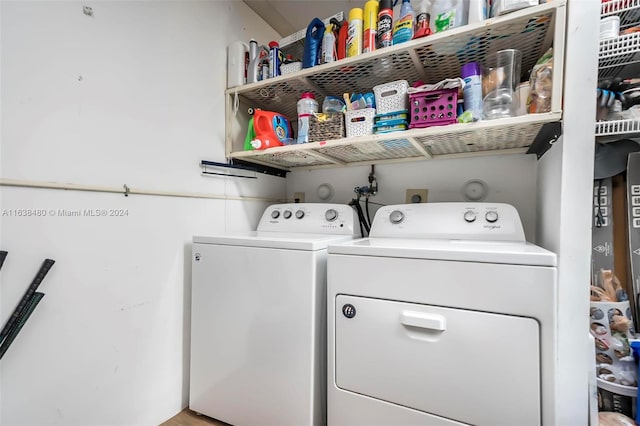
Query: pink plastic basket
{"points": [[436, 108]]}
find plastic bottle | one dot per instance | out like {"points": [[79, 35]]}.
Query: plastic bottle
{"points": [[446, 14], [370, 26], [313, 43], [403, 29], [472, 76], [307, 105], [385, 24], [328, 45], [423, 18], [354, 38], [477, 11], [237, 63], [275, 59]]}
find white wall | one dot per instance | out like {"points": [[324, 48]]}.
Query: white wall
{"points": [[509, 178], [132, 95]]}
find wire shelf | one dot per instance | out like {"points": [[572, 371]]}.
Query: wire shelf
{"points": [[490, 136], [619, 56], [618, 127], [627, 10]]}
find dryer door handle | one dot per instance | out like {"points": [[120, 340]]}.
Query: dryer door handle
{"points": [[423, 320]]}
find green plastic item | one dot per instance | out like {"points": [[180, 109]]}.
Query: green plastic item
{"points": [[251, 135]]}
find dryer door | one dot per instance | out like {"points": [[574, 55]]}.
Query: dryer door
{"points": [[474, 367]]}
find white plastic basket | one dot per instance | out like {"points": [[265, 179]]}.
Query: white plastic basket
{"points": [[359, 122], [391, 97]]}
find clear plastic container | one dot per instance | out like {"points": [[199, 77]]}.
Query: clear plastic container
{"points": [[307, 106]]}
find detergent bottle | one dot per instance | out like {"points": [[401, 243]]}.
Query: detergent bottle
{"points": [[313, 43], [271, 129], [446, 14], [403, 29]]}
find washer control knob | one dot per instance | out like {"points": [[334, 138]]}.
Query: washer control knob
{"points": [[275, 214], [286, 214], [331, 215], [299, 214], [396, 216], [491, 216], [469, 216]]}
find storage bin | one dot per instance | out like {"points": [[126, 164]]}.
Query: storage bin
{"points": [[359, 122], [434, 108], [326, 126], [391, 97]]}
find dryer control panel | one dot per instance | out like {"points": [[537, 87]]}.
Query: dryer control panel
{"points": [[451, 221], [310, 218]]}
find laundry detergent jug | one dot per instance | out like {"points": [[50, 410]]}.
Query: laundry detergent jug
{"points": [[271, 129]]}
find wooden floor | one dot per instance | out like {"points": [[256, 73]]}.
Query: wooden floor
{"points": [[189, 418]]}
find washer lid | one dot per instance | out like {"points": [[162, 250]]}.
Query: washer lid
{"points": [[276, 240], [513, 253]]}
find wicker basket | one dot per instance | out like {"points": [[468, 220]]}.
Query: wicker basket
{"points": [[325, 127]]}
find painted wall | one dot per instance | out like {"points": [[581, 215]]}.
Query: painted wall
{"points": [[131, 95], [518, 189]]}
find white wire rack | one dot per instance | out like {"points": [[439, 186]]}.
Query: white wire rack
{"points": [[618, 127], [627, 10]]}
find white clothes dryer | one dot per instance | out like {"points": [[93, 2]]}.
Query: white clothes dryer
{"points": [[445, 315], [258, 317]]}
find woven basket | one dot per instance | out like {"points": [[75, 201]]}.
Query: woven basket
{"points": [[325, 130]]}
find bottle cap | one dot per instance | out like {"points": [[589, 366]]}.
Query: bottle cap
{"points": [[472, 68], [308, 95], [355, 13], [386, 4], [273, 44]]}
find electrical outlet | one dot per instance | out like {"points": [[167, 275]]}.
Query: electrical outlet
{"points": [[416, 196], [298, 197]]}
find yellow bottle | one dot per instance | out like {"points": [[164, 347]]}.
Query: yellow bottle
{"points": [[370, 26], [354, 34]]}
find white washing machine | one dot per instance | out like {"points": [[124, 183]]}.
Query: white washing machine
{"points": [[445, 315], [258, 317]]}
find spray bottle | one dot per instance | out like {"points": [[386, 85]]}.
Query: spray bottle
{"points": [[328, 45], [403, 30], [385, 24], [423, 19], [354, 38], [370, 26]]}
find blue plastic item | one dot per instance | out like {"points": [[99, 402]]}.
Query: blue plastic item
{"points": [[313, 43]]}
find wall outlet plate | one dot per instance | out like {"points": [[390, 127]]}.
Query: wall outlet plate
{"points": [[416, 196], [298, 197]]}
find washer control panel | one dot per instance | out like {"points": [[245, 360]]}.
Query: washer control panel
{"points": [[310, 218], [456, 221]]}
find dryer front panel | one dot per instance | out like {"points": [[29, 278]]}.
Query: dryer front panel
{"points": [[473, 367]]}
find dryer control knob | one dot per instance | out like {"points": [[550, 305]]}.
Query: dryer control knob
{"points": [[299, 214], [469, 216], [396, 216], [286, 214], [491, 216], [275, 214], [331, 215]]}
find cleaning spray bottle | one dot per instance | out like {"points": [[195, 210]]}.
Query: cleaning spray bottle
{"points": [[385, 24], [423, 19], [370, 26], [403, 29], [329, 45]]}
